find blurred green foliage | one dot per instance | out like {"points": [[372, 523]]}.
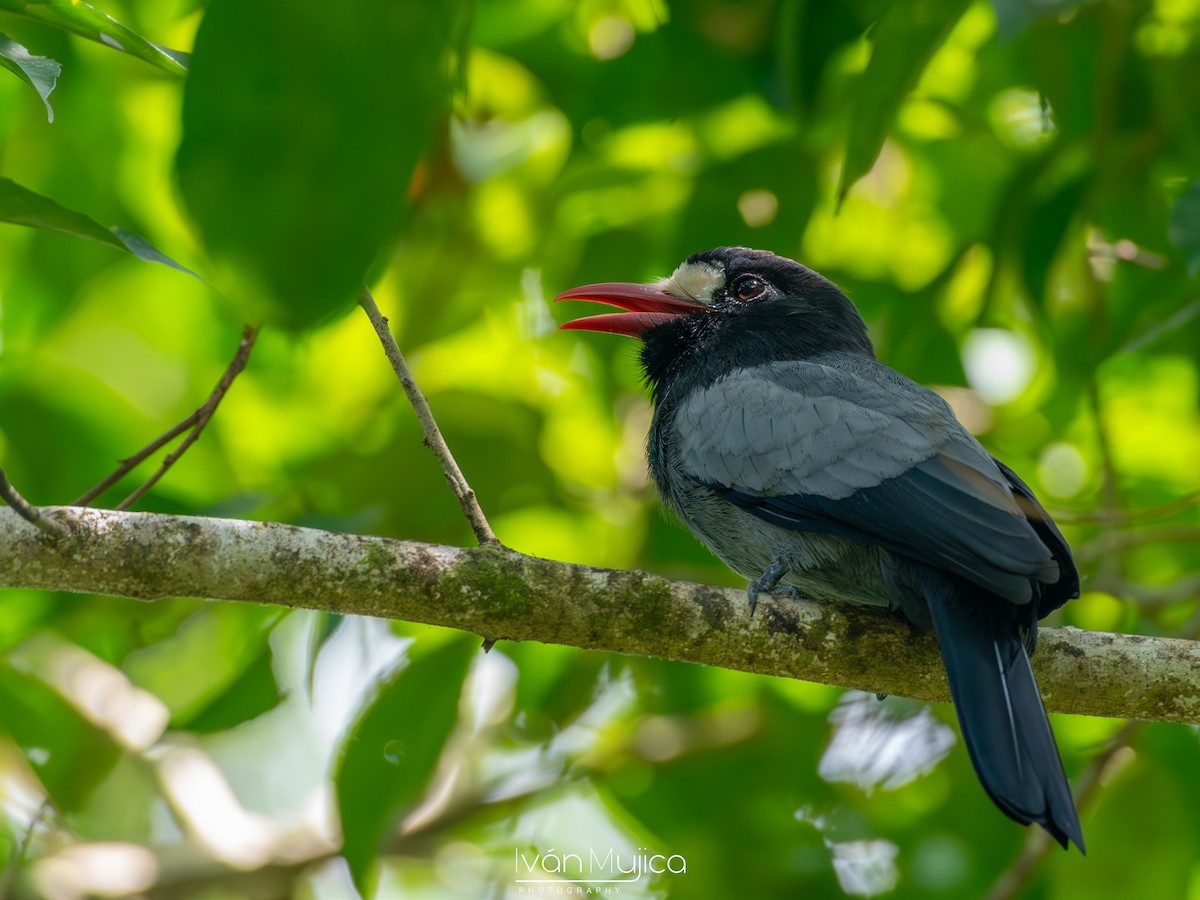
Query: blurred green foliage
{"points": [[1007, 190]]}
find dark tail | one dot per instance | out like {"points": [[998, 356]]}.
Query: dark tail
{"points": [[1000, 711]]}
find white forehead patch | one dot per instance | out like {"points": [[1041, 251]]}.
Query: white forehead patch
{"points": [[698, 281]]}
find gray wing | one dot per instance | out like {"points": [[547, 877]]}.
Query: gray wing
{"points": [[847, 446]]}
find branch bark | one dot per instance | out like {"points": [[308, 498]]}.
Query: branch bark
{"points": [[502, 595]]}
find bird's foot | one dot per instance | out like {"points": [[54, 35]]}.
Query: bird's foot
{"points": [[767, 582]]}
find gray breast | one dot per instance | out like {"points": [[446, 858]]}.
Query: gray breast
{"points": [[821, 566]]}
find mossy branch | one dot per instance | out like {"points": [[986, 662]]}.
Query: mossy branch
{"points": [[502, 595]]}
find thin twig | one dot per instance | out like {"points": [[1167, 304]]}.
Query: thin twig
{"points": [[194, 424], [132, 462], [1110, 567], [1149, 597], [27, 511], [20, 850], [1112, 541], [1128, 518], [433, 435]]}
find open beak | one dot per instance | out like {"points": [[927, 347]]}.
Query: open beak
{"points": [[648, 306]]}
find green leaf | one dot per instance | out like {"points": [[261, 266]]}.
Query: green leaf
{"points": [[21, 206], [219, 651], [391, 752], [1046, 228], [903, 43], [1184, 227], [87, 21], [302, 127], [69, 754], [808, 36], [39, 72], [253, 694], [143, 249], [555, 686]]}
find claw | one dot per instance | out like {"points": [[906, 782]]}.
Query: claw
{"points": [[767, 582]]}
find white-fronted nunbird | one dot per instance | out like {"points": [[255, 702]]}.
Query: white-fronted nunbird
{"points": [[809, 467]]}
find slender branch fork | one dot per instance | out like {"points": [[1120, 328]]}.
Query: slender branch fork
{"points": [[194, 425], [29, 512], [433, 435]]}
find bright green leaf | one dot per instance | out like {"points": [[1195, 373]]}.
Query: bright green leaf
{"points": [[1184, 227], [302, 127], [87, 21], [69, 754], [903, 43], [21, 206], [39, 72], [391, 752]]}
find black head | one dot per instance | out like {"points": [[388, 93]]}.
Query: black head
{"points": [[726, 308]]}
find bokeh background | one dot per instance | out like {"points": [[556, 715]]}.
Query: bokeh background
{"points": [[1006, 189]]}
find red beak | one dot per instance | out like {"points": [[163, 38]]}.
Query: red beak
{"points": [[648, 307]]}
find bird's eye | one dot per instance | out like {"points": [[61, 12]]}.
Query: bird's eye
{"points": [[749, 287]]}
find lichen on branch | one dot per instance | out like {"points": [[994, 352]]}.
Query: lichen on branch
{"points": [[503, 595]]}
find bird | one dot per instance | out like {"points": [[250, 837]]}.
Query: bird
{"points": [[812, 469]]}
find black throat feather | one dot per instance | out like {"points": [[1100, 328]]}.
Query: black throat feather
{"points": [[693, 351]]}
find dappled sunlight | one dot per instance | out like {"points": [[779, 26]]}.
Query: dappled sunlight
{"points": [[747, 123], [668, 147], [864, 868], [951, 73], [206, 805], [999, 364], [1142, 402], [610, 37], [876, 745], [880, 231], [100, 692], [96, 870], [491, 691], [1063, 470], [538, 144], [1021, 118], [351, 663], [758, 208]]}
